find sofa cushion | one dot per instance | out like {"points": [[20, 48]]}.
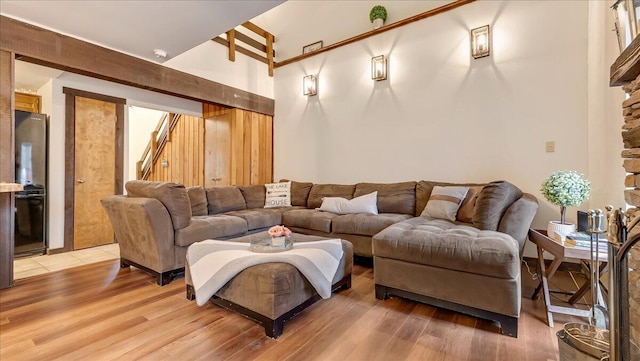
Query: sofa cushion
{"points": [[254, 195], [392, 197], [493, 201], [171, 195], [225, 199], [198, 198], [309, 219], [319, 191], [259, 217], [210, 227], [443, 244], [468, 206], [363, 204], [365, 224], [424, 188], [278, 195], [444, 202], [300, 193]]}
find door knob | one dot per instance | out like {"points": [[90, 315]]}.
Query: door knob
{"points": [[80, 180]]}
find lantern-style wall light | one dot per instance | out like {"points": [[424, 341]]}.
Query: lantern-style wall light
{"points": [[310, 85], [625, 12], [379, 68], [481, 42]]}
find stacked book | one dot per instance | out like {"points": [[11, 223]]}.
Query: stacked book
{"points": [[583, 240]]}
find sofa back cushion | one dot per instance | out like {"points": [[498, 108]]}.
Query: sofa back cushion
{"points": [[253, 195], [319, 191], [198, 198], [172, 195], [392, 197], [492, 203], [225, 199], [299, 192], [424, 188]]}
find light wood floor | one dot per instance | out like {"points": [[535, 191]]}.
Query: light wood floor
{"points": [[102, 312]]}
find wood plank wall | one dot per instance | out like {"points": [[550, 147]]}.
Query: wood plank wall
{"points": [[251, 144], [184, 154], [7, 170]]}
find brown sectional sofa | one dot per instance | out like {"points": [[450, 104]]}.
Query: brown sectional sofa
{"points": [[472, 267]]}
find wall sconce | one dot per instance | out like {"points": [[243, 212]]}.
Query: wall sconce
{"points": [[480, 42], [309, 85], [379, 68]]}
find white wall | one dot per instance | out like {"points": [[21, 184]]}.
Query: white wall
{"points": [[57, 159], [142, 122], [442, 115], [209, 60]]}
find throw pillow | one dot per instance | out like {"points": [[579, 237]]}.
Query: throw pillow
{"points": [[468, 206], [278, 195], [444, 202], [363, 204]]}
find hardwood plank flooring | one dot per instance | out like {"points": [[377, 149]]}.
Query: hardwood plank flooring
{"points": [[102, 312]]}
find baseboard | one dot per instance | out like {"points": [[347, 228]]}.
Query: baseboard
{"points": [[564, 266]]}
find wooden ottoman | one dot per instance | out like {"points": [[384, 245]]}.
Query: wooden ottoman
{"points": [[273, 293]]}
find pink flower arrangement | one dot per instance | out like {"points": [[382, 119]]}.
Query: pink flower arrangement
{"points": [[279, 231]]}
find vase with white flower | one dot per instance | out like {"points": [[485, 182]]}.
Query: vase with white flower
{"points": [[565, 188], [279, 235]]}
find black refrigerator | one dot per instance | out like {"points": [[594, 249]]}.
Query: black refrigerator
{"points": [[31, 172]]}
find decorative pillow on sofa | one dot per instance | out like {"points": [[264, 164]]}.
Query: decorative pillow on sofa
{"points": [[225, 199], [198, 198], [278, 195], [468, 206], [444, 202], [363, 204]]}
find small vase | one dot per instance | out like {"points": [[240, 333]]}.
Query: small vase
{"points": [[278, 241], [559, 231], [377, 23]]}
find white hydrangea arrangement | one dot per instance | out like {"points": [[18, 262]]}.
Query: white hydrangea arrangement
{"points": [[566, 188]]}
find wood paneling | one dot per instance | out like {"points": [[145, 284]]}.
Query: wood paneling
{"points": [[7, 167], [95, 170], [28, 102], [183, 154], [217, 145], [250, 156], [45, 47], [102, 312]]}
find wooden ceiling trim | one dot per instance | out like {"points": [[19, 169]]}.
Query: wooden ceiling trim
{"points": [[377, 31], [48, 48]]}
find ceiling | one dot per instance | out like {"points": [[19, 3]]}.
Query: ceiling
{"points": [[132, 27]]}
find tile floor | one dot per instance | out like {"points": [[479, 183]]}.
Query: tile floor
{"points": [[32, 266]]}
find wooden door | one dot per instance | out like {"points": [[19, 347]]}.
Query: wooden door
{"points": [[217, 149], [95, 170]]}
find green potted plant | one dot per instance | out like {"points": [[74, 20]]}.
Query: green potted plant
{"points": [[378, 15], [565, 189]]}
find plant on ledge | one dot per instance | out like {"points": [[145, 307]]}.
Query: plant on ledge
{"points": [[378, 12], [566, 189]]}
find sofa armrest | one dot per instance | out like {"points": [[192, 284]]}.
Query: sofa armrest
{"points": [[518, 217], [144, 231]]}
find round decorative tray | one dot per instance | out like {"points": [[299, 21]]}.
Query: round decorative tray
{"points": [[267, 246]]}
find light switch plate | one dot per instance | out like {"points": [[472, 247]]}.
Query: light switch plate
{"points": [[550, 146]]}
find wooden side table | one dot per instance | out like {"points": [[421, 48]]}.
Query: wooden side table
{"points": [[560, 252]]}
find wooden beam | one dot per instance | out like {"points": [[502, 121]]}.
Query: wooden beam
{"points": [[380, 30], [7, 167], [241, 50], [256, 29], [252, 42], [231, 38], [45, 47], [270, 53]]}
